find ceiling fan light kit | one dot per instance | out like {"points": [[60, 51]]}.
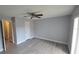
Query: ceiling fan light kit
{"points": [[34, 15]]}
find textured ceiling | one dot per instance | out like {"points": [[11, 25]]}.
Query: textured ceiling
{"points": [[47, 10]]}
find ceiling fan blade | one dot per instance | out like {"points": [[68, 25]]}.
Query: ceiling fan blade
{"points": [[31, 17], [25, 16], [39, 15]]}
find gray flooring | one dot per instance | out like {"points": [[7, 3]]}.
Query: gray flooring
{"points": [[37, 46]]}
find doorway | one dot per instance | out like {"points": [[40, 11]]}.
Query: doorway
{"points": [[7, 34]]}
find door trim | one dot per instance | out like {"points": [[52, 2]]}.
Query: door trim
{"points": [[74, 35], [3, 36]]}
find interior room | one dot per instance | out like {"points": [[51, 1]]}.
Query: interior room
{"points": [[7, 28], [39, 29]]}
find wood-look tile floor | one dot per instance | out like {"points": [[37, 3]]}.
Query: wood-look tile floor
{"points": [[38, 46]]}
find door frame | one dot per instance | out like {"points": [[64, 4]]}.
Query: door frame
{"points": [[3, 34], [14, 30], [75, 36]]}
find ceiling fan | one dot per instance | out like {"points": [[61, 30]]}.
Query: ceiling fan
{"points": [[34, 14]]}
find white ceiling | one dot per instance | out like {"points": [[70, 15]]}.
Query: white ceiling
{"points": [[47, 10]]}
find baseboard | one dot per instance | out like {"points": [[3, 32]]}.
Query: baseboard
{"points": [[43, 39], [31, 37], [1, 50], [20, 42], [24, 40], [51, 40]]}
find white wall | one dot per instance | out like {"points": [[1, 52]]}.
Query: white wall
{"points": [[53, 29], [75, 12], [1, 45], [20, 30], [70, 34], [28, 30], [23, 30], [31, 29]]}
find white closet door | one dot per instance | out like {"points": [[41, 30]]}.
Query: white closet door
{"points": [[27, 30]]}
